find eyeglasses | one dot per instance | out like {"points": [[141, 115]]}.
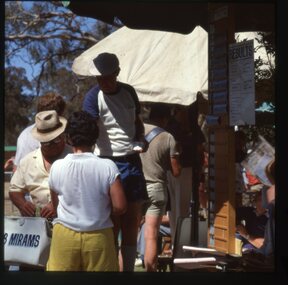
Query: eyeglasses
{"points": [[55, 141]]}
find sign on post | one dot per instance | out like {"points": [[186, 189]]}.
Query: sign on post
{"points": [[241, 84]]}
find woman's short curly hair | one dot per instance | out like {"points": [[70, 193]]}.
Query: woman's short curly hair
{"points": [[81, 129], [51, 101]]}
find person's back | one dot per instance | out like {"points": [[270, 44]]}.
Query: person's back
{"points": [[78, 173], [86, 191], [156, 160], [162, 155], [180, 129]]}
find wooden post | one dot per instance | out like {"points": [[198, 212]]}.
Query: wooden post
{"points": [[221, 174]]}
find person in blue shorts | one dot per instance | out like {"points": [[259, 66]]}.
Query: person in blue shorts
{"points": [[116, 108]]}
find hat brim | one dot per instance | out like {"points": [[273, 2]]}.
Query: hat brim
{"points": [[46, 137], [95, 72]]}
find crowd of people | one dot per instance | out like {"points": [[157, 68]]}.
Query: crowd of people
{"points": [[103, 176]]}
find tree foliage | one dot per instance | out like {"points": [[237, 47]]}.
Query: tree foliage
{"points": [[264, 91], [265, 70], [46, 37], [17, 104]]}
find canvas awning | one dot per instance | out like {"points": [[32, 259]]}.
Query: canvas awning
{"points": [[161, 66]]}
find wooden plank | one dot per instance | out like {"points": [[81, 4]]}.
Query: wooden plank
{"points": [[223, 227], [221, 220], [221, 234], [221, 245]]}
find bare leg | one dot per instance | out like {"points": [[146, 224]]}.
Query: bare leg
{"points": [[152, 224], [130, 222], [116, 229], [120, 261]]}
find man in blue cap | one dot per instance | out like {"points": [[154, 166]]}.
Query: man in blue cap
{"points": [[116, 108]]}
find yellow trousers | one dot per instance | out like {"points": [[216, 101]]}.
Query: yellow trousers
{"points": [[82, 251]]}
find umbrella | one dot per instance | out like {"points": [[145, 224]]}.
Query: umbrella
{"points": [[162, 66]]}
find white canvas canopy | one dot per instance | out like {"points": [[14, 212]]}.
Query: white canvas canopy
{"points": [[162, 66]]}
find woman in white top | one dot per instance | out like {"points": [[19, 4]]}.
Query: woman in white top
{"points": [[86, 190]]}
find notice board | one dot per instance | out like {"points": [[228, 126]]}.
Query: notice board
{"points": [[241, 84]]}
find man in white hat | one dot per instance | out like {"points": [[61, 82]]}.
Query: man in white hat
{"points": [[32, 173], [25, 141]]}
